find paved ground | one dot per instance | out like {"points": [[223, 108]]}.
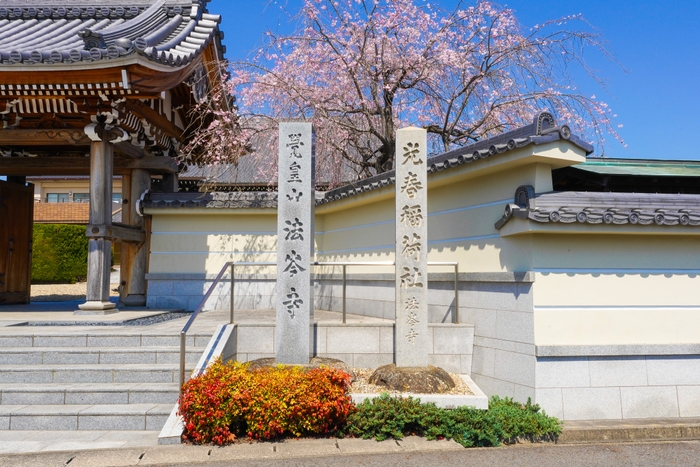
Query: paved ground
{"points": [[206, 322], [355, 452], [15, 441]]}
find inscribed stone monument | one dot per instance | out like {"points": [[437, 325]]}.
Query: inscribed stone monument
{"points": [[411, 248], [295, 244]]}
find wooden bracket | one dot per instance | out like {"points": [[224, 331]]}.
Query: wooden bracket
{"points": [[116, 232]]}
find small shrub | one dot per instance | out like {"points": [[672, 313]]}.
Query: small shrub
{"points": [[59, 253], [505, 420], [229, 400], [212, 404], [522, 420]]}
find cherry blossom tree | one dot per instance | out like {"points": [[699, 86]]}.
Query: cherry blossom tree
{"points": [[361, 69], [214, 134]]}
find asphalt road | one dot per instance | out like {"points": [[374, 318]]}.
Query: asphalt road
{"points": [[659, 454]]}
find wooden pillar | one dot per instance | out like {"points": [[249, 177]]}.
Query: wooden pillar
{"points": [[170, 183], [100, 248], [20, 179], [124, 246], [134, 255]]}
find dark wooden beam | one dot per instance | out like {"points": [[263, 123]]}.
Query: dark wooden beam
{"points": [[157, 164], [131, 150], [141, 109], [67, 165], [142, 78], [41, 137], [116, 232], [21, 179]]}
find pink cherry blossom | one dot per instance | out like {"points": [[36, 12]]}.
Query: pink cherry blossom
{"points": [[361, 69]]}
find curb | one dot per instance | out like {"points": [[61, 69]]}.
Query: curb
{"points": [[609, 431], [188, 454], [574, 433]]}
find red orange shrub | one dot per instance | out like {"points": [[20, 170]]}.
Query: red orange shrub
{"points": [[229, 400]]}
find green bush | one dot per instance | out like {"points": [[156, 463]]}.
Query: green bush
{"points": [[228, 400], [505, 420], [59, 253]]}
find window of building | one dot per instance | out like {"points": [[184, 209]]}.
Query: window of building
{"points": [[117, 198], [81, 197], [56, 197]]}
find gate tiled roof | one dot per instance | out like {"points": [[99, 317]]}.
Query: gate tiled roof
{"points": [[168, 32]]}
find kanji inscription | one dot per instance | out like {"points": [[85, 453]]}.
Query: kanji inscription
{"points": [[294, 230], [294, 175], [293, 302], [411, 185], [294, 195], [293, 262], [411, 277], [295, 143], [411, 215], [411, 247], [412, 154]]}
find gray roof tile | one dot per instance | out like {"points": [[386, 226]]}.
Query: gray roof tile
{"points": [[604, 208], [170, 32]]}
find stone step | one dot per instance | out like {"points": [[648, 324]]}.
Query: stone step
{"points": [[84, 417], [95, 373], [96, 393], [93, 355], [100, 340]]}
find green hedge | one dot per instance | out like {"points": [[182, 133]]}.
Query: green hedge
{"points": [[504, 422], [59, 253]]}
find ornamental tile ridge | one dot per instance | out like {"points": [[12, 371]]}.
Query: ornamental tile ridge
{"points": [[542, 130], [211, 200], [70, 10], [603, 208]]}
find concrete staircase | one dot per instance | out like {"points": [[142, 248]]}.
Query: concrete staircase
{"points": [[94, 381]]}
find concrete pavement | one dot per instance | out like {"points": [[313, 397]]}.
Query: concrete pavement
{"points": [[21, 441], [189, 455], [352, 452]]}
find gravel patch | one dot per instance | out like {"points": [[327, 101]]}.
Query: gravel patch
{"points": [[77, 291], [145, 321], [361, 384]]}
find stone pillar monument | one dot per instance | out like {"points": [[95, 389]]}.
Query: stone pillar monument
{"points": [[411, 248], [295, 244]]}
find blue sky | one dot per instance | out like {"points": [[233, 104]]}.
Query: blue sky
{"points": [[656, 96]]}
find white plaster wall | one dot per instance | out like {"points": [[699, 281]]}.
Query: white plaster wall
{"points": [[616, 289], [203, 241]]}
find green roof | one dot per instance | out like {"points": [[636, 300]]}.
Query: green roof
{"points": [[641, 167]]}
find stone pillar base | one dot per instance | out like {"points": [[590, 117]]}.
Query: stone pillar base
{"points": [[96, 307], [134, 300]]}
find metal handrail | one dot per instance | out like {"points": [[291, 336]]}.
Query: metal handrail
{"points": [[455, 264], [183, 333], [344, 264]]}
